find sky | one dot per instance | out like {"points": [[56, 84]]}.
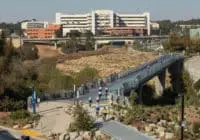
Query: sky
{"points": [[18, 10]]}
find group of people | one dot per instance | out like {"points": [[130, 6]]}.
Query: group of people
{"points": [[98, 98]]}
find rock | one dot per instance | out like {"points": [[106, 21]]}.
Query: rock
{"points": [[86, 135], [152, 125], [79, 138], [73, 135], [28, 126], [162, 123], [98, 133], [169, 136], [171, 123], [16, 127], [148, 129], [64, 136], [160, 131], [161, 134]]}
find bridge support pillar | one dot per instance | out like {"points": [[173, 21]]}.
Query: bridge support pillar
{"points": [[160, 82], [176, 71], [55, 45], [95, 46], [140, 87]]}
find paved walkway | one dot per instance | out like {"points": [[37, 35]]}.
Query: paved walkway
{"points": [[123, 132]]}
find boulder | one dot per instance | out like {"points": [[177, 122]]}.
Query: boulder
{"points": [[79, 138], [171, 123], [148, 129], [16, 127], [86, 135], [152, 126], [169, 136], [73, 135], [161, 134], [64, 136], [98, 133], [162, 123], [27, 126], [160, 131]]}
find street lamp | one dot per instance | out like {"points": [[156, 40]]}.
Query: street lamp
{"points": [[182, 116], [33, 99]]}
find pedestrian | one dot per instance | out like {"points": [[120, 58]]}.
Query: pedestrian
{"points": [[104, 112], [90, 101], [100, 94], [106, 92], [97, 109], [117, 99], [97, 99]]}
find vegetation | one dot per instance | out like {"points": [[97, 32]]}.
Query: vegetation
{"points": [[29, 52], [196, 127], [20, 114], [75, 44], [191, 97], [86, 75], [82, 120], [197, 85]]}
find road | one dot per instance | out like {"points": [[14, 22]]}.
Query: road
{"points": [[120, 131]]}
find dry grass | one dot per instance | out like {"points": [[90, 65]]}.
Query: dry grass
{"points": [[113, 60]]}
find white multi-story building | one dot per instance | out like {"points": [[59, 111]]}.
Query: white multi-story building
{"points": [[100, 19], [34, 24]]}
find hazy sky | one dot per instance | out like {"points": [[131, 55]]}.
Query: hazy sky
{"points": [[16, 10]]}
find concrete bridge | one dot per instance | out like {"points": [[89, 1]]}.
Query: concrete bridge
{"points": [[98, 39], [134, 79]]}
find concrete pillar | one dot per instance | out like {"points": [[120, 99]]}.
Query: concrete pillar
{"points": [[160, 83], [96, 46], [55, 45], [176, 71], [140, 87]]}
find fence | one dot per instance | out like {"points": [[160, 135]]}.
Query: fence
{"points": [[140, 74]]}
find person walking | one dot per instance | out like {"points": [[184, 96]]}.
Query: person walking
{"points": [[106, 92], [97, 99], [90, 101], [97, 109], [104, 112]]}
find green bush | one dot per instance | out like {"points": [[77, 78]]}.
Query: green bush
{"points": [[132, 99], [20, 114], [29, 52], [197, 85], [86, 75], [82, 120], [196, 127]]}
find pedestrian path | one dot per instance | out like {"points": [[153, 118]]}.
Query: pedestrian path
{"points": [[120, 131]]}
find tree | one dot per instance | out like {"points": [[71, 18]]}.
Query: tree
{"points": [[82, 120], [29, 52], [86, 75], [89, 42]]}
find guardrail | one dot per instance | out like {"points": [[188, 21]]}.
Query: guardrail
{"points": [[138, 75]]}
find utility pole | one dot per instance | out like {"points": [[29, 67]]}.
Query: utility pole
{"points": [[182, 116], [74, 94]]}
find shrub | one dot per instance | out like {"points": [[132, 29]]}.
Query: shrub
{"points": [[29, 52], [20, 114], [82, 120], [86, 75], [196, 127], [133, 98], [197, 85]]}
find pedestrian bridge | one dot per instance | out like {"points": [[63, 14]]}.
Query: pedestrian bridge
{"points": [[135, 78]]}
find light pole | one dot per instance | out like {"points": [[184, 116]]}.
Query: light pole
{"points": [[33, 99], [182, 116]]}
